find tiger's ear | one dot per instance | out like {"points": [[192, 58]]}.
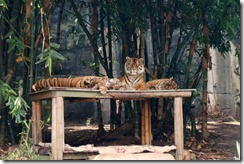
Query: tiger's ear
{"points": [[141, 59], [127, 58]]}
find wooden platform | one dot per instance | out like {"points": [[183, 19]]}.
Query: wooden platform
{"points": [[58, 94]]}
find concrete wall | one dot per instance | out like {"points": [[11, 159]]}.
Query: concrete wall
{"points": [[224, 84]]}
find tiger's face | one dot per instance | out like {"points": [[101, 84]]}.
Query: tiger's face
{"points": [[134, 66]]}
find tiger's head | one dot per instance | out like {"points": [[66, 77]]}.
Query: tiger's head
{"points": [[134, 66]]}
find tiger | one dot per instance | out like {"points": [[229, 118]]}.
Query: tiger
{"points": [[134, 71], [115, 84], [158, 84], [161, 84], [93, 82]]}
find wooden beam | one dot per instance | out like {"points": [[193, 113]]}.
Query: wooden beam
{"points": [[114, 94], [178, 127], [57, 128]]}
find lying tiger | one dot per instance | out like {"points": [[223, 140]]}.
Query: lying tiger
{"points": [[93, 82], [159, 84]]}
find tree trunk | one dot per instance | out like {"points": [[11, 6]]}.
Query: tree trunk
{"points": [[96, 60], [32, 46], [89, 36], [204, 63], [60, 21], [27, 36]]}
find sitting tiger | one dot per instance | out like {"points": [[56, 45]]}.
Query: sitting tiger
{"points": [[134, 71], [93, 82], [134, 78]]}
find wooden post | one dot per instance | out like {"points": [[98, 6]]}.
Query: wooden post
{"points": [[143, 123], [149, 122], [178, 127], [34, 135], [57, 128], [36, 121], [146, 133], [146, 124]]}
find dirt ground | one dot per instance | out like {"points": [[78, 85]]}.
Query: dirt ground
{"points": [[223, 134], [221, 145]]}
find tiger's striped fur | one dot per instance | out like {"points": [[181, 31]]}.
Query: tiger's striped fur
{"points": [[134, 72], [93, 82], [162, 84]]}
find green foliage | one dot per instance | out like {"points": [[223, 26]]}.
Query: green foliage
{"points": [[18, 109], [49, 55], [17, 105], [14, 43], [25, 150], [3, 5]]}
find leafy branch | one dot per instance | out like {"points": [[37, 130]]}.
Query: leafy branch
{"points": [[49, 55], [17, 105]]}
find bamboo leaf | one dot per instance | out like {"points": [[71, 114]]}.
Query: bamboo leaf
{"points": [[10, 40], [3, 4], [19, 44], [11, 47], [55, 45], [42, 60], [56, 56], [8, 34], [50, 65]]}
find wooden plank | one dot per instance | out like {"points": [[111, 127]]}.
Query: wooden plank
{"points": [[140, 96], [57, 128], [178, 127], [34, 120], [84, 93]]}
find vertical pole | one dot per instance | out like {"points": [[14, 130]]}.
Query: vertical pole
{"points": [[178, 128], [149, 122], [57, 128], [36, 121], [34, 135], [146, 123], [143, 123], [146, 131]]}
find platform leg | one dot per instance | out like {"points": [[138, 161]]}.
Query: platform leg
{"points": [[36, 121], [178, 128], [57, 128], [146, 133]]}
